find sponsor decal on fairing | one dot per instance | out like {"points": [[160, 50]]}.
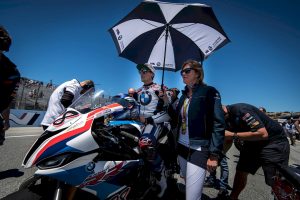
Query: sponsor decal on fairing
{"points": [[101, 176]]}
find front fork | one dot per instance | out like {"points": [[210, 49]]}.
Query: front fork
{"points": [[58, 191], [70, 191]]}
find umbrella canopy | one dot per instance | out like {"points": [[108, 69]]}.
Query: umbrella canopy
{"points": [[167, 34]]}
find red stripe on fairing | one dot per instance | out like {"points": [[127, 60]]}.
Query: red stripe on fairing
{"points": [[104, 108], [67, 135], [63, 137]]}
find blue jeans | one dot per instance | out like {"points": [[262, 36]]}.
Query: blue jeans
{"points": [[224, 174]]}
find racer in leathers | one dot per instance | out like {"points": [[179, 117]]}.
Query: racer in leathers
{"points": [[152, 102]]}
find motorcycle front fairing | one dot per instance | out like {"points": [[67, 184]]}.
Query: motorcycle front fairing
{"points": [[72, 135], [67, 151]]}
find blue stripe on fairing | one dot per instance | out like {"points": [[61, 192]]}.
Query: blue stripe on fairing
{"points": [[58, 148], [123, 122], [76, 176], [68, 149]]}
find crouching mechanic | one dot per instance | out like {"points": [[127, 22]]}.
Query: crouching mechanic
{"points": [[62, 97], [265, 144], [152, 103]]}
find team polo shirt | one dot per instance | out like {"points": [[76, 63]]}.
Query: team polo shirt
{"points": [[245, 117]]}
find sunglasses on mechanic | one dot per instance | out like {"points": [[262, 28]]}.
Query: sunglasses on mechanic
{"points": [[186, 71]]}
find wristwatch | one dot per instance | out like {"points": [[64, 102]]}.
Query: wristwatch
{"points": [[235, 136]]}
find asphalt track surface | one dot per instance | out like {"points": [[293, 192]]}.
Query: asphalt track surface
{"points": [[19, 140]]}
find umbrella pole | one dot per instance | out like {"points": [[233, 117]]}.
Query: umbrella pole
{"points": [[164, 62]]}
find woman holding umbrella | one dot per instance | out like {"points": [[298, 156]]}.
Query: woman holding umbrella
{"points": [[201, 125]]}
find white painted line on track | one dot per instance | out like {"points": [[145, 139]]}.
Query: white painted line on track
{"points": [[18, 136]]}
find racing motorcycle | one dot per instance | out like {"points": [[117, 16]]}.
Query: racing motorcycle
{"points": [[91, 150], [286, 183]]}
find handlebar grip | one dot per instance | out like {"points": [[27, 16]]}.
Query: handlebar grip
{"points": [[134, 138]]}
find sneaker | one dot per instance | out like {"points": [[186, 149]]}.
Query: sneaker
{"points": [[223, 192], [209, 183]]}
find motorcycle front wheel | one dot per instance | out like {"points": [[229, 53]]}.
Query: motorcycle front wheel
{"points": [[34, 188]]}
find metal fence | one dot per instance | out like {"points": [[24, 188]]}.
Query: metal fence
{"points": [[34, 95]]}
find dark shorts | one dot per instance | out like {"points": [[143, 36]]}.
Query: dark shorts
{"points": [[266, 156]]}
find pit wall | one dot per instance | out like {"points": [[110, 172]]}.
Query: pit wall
{"points": [[22, 118]]}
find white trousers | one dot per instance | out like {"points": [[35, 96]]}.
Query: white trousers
{"points": [[194, 179]]}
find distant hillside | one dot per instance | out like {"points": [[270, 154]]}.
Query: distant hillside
{"points": [[284, 115]]}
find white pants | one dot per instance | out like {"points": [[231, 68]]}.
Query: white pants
{"points": [[194, 179]]}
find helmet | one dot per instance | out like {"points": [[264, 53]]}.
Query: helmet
{"points": [[131, 100], [5, 40], [131, 108]]}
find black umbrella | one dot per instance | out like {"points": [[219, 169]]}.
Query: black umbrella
{"points": [[167, 34]]}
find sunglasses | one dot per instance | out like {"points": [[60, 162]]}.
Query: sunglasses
{"points": [[144, 71], [186, 71]]}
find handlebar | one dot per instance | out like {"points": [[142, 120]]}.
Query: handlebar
{"points": [[126, 134]]}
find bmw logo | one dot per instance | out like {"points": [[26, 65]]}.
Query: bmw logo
{"points": [[145, 98], [90, 166]]}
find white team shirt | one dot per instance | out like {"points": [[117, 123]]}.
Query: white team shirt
{"points": [[55, 108]]}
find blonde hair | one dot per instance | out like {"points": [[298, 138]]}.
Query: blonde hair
{"points": [[198, 69]]}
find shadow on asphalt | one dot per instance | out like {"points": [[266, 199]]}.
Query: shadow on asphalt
{"points": [[10, 173]]}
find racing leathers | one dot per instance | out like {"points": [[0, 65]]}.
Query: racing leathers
{"points": [[151, 106], [156, 120]]}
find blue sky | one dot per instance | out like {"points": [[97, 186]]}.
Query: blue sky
{"points": [[60, 40]]}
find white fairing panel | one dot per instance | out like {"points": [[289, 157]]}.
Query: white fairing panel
{"points": [[84, 142]]}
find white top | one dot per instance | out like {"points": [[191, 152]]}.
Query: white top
{"points": [[55, 108], [184, 134]]}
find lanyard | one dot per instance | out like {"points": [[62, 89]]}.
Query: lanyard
{"points": [[184, 115]]}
